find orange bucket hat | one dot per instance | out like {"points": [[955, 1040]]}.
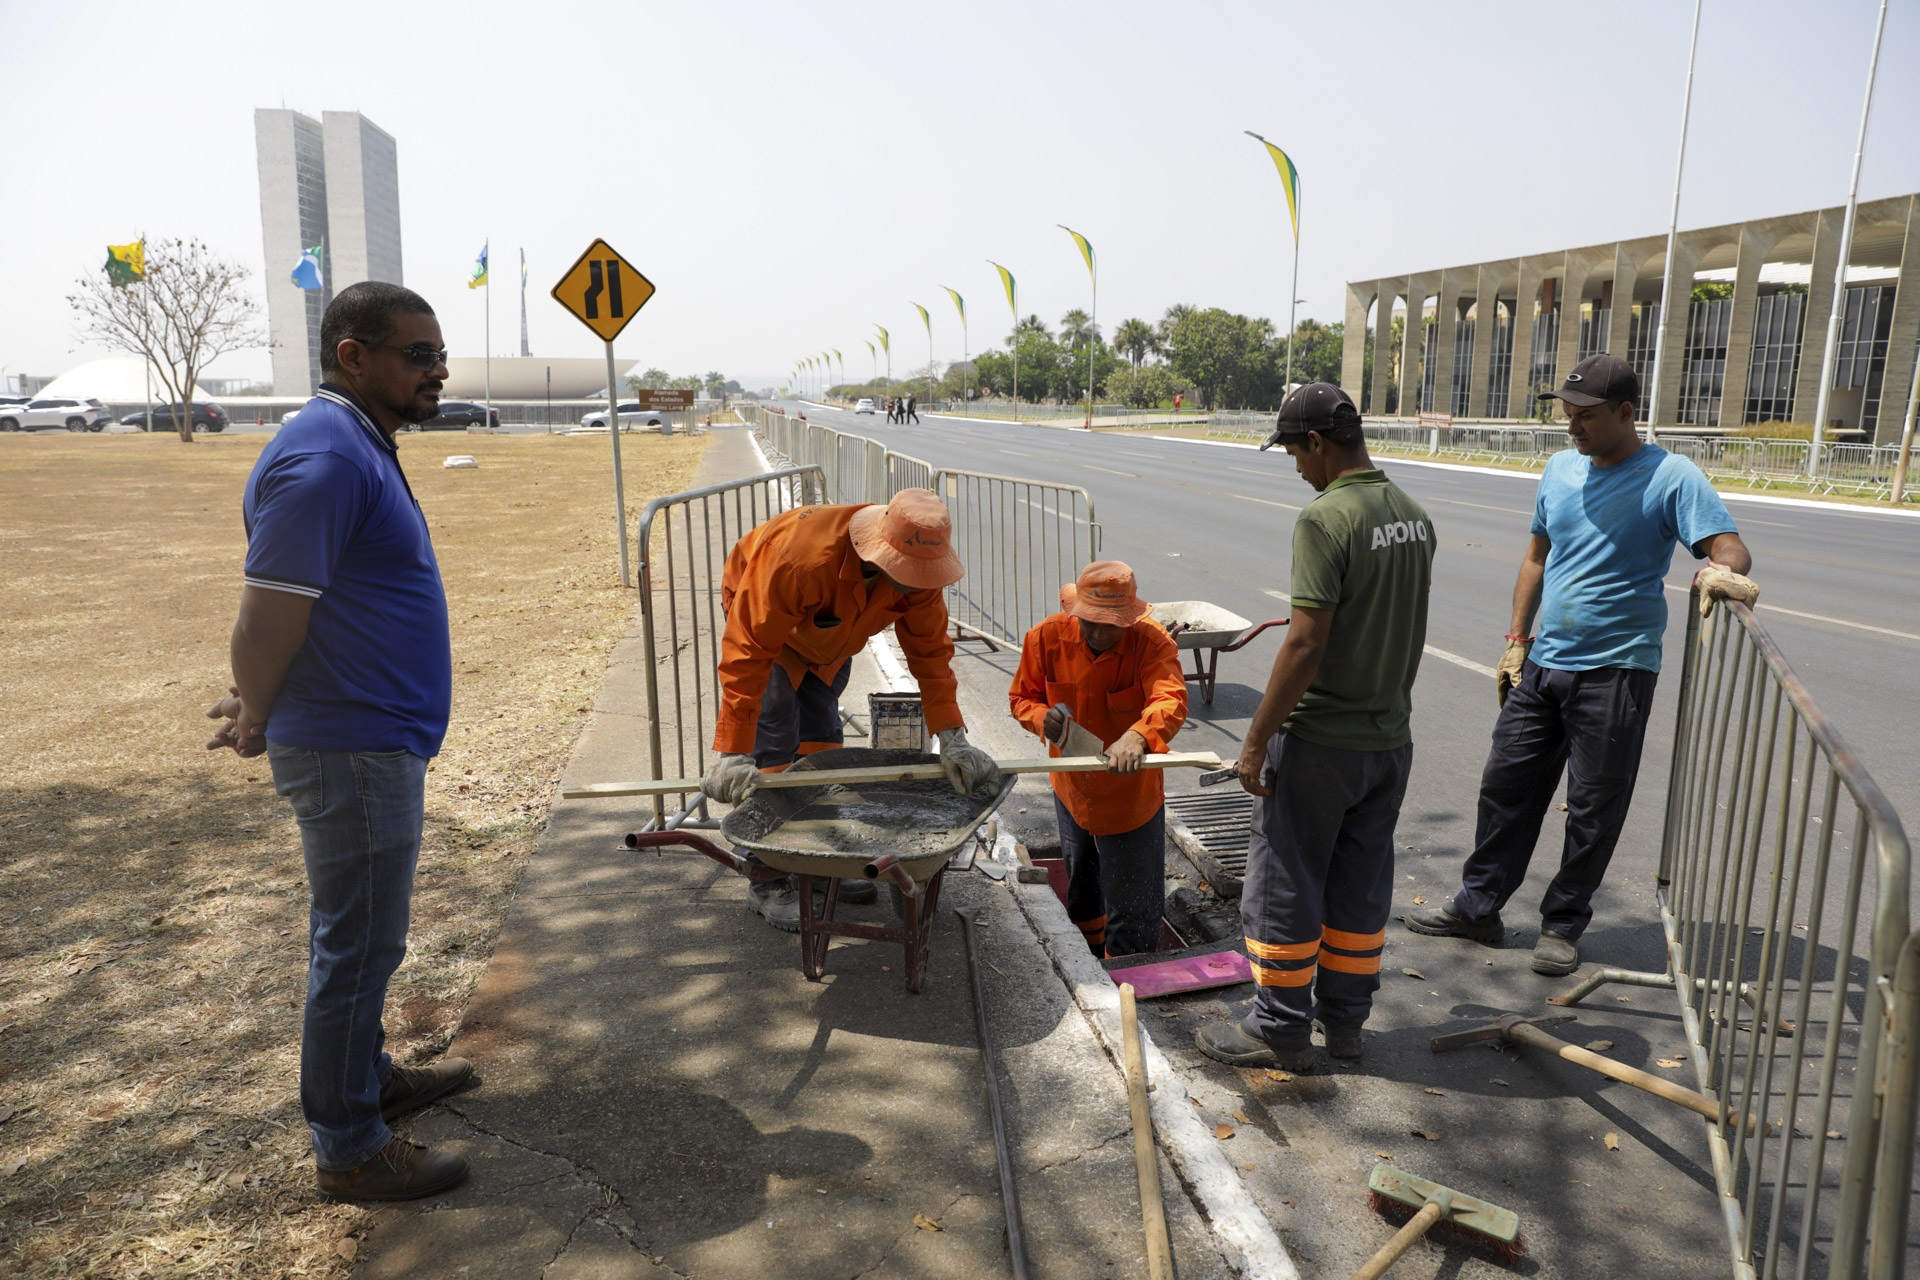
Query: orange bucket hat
{"points": [[1106, 592], [910, 539]]}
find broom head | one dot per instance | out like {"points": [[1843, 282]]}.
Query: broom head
{"points": [[1397, 1193]]}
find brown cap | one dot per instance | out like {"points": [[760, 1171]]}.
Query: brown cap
{"points": [[1106, 592], [910, 540], [1599, 379]]}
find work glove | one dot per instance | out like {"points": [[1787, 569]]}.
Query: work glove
{"points": [[1513, 665], [1717, 582], [967, 766], [731, 779]]}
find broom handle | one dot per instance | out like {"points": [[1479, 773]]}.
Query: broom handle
{"points": [[1152, 1208], [1656, 1085], [1402, 1241]]}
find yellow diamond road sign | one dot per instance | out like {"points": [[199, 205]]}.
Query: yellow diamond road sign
{"points": [[603, 290]]}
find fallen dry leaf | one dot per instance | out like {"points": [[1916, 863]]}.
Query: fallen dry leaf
{"points": [[1599, 1046], [14, 1166], [925, 1223], [1624, 999], [1281, 1076], [1241, 1116], [1502, 1083], [1613, 1141], [347, 1248], [1383, 1155], [1419, 902], [1428, 1134], [1668, 1063], [1235, 1093], [1195, 1101], [1414, 973], [237, 1178], [1435, 1092], [1223, 1131], [1833, 1133], [6, 1114]]}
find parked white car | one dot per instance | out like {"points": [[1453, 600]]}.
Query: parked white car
{"points": [[864, 406], [631, 416], [38, 415]]}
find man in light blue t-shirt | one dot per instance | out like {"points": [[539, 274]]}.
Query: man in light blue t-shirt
{"points": [[1576, 695]]}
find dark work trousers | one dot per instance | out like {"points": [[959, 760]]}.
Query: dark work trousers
{"points": [[797, 722], [1592, 723], [1319, 884], [1116, 885]]}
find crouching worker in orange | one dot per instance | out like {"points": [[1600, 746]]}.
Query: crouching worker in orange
{"points": [[1119, 674], [803, 593]]}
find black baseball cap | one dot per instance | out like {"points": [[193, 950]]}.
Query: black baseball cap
{"points": [[1317, 406], [1599, 379]]}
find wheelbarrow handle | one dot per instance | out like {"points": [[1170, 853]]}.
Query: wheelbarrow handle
{"points": [[700, 844], [1247, 636], [887, 867]]}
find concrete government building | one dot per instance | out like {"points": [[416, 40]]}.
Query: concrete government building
{"points": [[1481, 339], [333, 182]]}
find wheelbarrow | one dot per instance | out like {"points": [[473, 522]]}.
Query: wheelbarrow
{"points": [[902, 833], [1203, 627]]}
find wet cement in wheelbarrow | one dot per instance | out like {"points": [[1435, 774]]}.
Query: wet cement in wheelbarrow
{"points": [[910, 823]]}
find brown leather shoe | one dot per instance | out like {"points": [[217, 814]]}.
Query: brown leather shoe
{"points": [[401, 1171], [410, 1087]]}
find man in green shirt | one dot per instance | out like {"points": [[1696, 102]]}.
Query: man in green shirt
{"points": [[1329, 749]]}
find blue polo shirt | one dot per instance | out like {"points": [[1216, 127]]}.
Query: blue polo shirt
{"points": [[1613, 529], [329, 515]]}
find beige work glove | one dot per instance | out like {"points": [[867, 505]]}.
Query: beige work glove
{"points": [[1512, 665], [731, 779], [1717, 582], [967, 766]]}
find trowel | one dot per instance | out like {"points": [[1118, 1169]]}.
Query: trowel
{"points": [[1074, 738]]}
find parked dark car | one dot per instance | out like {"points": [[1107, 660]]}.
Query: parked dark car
{"points": [[458, 415], [206, 417]]}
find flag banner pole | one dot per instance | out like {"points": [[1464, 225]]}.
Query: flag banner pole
{"points": [[1673, 235]]}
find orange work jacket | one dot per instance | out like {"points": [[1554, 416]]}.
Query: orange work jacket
{"points": [[1137, 684], [795, 593]]}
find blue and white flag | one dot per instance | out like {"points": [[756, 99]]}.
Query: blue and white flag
{"points": [[307, 274]]}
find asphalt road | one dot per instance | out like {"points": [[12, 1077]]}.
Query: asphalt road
{"points": [[1840, 593]]}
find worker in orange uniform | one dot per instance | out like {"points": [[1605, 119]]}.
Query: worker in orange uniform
{"points": [[803, 593], [1119, 674]]}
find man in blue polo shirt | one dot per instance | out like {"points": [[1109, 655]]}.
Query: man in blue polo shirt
{"points": [[1576, 696], [343, 676]]}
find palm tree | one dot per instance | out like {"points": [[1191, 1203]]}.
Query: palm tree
{"points": [[1033, 325], [1136, 339], [1077, 329]]}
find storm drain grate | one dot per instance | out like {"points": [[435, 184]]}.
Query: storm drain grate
{"points": [[1214, 831]]}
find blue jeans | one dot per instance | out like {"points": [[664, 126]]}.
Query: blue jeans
{"points": [[360, 814]]}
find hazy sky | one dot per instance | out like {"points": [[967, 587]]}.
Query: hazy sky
{"points": [[788, 175]]}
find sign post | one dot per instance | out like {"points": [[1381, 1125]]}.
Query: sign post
{"points": [[603, 291]]}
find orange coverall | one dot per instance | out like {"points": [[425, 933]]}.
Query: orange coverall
{"points": [[1137, 684], [795, 593]]}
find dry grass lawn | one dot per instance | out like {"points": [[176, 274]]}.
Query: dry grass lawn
{"points": [[152, 898]]}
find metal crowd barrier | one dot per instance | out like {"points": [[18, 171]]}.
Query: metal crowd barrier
{"points": [[1783, 889], [1020, 540], [684, 539]]}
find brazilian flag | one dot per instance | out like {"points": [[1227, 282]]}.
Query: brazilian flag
{"points": [[126, 263]]}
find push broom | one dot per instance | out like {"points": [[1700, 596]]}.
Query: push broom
{"points": [[1394, 1191]]}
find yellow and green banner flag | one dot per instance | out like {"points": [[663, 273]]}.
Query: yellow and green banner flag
{"points": [[1006, 278], [959, 303], [886, 343], [477, 278], [1290, 178], [126, 263], [1086, 247], [925, 319], [870, 350]]}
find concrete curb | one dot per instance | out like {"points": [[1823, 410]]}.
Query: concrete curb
{"points": [[1242, 1233]]}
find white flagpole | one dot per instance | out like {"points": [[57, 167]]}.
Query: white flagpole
{"points": [[1832, 351], [486, 251], [1673, 236]]}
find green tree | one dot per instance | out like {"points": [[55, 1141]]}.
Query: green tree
{"points": [[1136, 340], [651, 380], [1163, 331], [1033, 325], [1077, 329], [1228, 357], [1317, 352], [714, 383], [1141, 386]]}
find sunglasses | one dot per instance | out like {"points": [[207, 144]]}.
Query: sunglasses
{"points": [[419, 355]]}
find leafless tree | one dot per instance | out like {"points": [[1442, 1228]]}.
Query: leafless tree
{"points": [[189, 309]]}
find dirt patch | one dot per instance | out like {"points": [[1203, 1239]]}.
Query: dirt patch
{"points": [[152, 896]]}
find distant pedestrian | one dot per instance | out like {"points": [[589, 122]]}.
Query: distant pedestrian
{"points": [[913, 409], [1576, 696], [343, 677], [890, 412]]}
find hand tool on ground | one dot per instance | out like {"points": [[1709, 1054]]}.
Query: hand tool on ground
{"points": [[1391, 1191], [912, 772], [1074, 738], [1028, 873], [989, 1063], [1146, 1158], [1516, 1028]]}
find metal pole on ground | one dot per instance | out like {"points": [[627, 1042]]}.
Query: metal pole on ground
{"points": [[1906, 433], [1831, 351], [619, 483], [1673, 237]]}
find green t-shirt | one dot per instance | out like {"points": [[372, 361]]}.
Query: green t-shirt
{"points": [[1363, 549]]}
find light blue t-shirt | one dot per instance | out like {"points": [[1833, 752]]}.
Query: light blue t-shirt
{"points": [[1613, 529]]}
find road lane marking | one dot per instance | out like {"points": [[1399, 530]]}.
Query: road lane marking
{"points": [[1110, 471], [1815, 617], [1458, 502], [1478, 668], [1254, 471], [1145, 457], [1015, 452], [1265, 502]]}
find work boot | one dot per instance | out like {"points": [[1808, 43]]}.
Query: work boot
{"points": [[1230, 1043], [859, 893], [1441, 922], [777, 900], [410, 1087], [1343, 1038], [1554, 955], [401, 1171]]}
